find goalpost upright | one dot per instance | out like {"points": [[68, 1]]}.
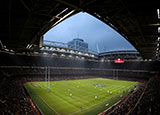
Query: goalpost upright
{"points": [[47, 78]]}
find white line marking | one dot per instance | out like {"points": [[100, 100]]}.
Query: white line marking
{"points": [[63, 100], [86, 108], [66, 102], [93, 105], [48, 105], [40, 110]]}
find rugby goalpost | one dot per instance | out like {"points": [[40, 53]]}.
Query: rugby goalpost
{"points": [[115, 74], [47, 78]]}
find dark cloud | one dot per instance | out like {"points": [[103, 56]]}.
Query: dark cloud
{"points": [[91, 30]]}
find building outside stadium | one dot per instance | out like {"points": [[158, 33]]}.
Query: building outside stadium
{"points": [[78, 44]]}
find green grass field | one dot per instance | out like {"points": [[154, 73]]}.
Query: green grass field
{"points": [[78, 97]]}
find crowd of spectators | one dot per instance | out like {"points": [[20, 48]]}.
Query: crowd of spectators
{"points": [[58, 78], [149, 104], [143, 101], [129, 103], [13, 99], [67, 71]]}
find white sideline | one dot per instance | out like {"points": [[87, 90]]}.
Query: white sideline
{"points": [[48, 105], [40, 110]]}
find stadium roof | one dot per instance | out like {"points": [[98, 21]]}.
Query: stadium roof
{"points": [[23, 22]]}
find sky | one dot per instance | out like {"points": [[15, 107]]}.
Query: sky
{"points": [[99, 36]]}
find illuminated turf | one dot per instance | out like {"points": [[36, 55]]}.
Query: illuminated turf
{"points": [[76, 97]]}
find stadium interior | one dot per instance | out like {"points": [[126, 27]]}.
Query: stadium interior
{"points": [[23, 58]]}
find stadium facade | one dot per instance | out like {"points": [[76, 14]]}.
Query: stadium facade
{"points": [[70, 48], [123, 54]]}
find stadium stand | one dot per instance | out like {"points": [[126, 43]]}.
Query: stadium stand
{"points": [[129, 103], [14, 99], [143, 101], [149, 104], [13, 94]]}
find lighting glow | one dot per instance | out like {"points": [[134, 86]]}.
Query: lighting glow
{"points": [[158, 13], [79, 53], [102, 60], [62, 55], [92, 55], [71, 51], [77, 57], [150, 59], [54, 54], [63, 50], [6, 49], [158, 29], [82, 58], [86, 54], [70, 56], [145, 60], [44, 53]]}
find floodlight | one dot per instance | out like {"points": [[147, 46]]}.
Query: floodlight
{"points": [[70, 56], [62, 55], [82, 58], [102, 60], [77, 57], [158, 29], [158, 13]]}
